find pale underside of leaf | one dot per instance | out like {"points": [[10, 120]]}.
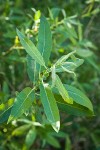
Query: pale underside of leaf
{"points": [[63, 58], [70, 65]]}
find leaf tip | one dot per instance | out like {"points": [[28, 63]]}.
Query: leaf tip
{"points": [[56, 126], [69, 100], [9, 119]]}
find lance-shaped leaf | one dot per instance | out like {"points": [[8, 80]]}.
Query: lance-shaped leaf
{"points": [[23, 102], [44, 40], [30, 138], [72, 109], [21, 130], [50, 106], [52, 141], [78, 97], [69, 65], [54, 12], [63, 58], [63, 92], [84, 52], [30, 48]]}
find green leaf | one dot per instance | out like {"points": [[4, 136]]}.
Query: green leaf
{"points": [[63, 92], [52, 141], [44, 40], [23, 102], [5, 115], [80, 31], [63, 58], [68, 143], [16, 58], [30, 138], [5, 91], [93, 63], [5, 87], [21, 130], [30, 48], [53, 75], [37, 15], [55, 12], [84, 52], [50, 106], [79, 97], [31, 69], [73, 109], [81, 101], [70, 30], [60, 134], [70, 65]]}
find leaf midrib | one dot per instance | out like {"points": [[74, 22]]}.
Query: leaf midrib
{"points": [[34, 53], [23, 101], [81, 98], [73, 106], [49, 106], [43, 39]]}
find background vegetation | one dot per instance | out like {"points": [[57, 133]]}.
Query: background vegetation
{"points": [[74, 25]]}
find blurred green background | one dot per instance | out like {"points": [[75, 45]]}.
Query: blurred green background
{"points": [[75, 24]]}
